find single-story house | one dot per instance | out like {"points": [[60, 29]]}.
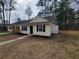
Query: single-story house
{"points": [[36, 26]]}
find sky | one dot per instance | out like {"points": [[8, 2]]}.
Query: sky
{"points": [[21, 6], [75, 6]]}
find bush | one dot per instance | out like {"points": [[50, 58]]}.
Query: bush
{"points": [[3, 28]]}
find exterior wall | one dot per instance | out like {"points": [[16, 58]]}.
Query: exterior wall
{"points": [[54, 29], [49, 29], [25, 32], [46, 33], [10, 30], [14, 28]]}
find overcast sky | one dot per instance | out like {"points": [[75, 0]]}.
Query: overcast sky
{"points": [[21, 6]]}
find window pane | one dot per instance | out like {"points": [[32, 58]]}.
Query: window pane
{"points": [[39, 28], [24, 28]]}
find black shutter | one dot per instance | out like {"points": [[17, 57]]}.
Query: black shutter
{"points": [[22, 27], [37, 28], [26, 28], [43, 28]]}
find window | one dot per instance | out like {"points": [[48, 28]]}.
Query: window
{"points": [[40, 28], [24, 28], [10, 27]]}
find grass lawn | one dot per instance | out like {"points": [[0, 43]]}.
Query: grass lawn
{"points": [[62, 46], [4, 33]]}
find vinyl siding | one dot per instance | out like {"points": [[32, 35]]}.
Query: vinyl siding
{"points": [[54, 29], [46, 33], [25, 32]]}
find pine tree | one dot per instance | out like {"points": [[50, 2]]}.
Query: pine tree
{"points": [[64, 14], [77, 14]]}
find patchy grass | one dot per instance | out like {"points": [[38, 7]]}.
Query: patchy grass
{"points": [[61, 46], [8, 36], [4, 33]]}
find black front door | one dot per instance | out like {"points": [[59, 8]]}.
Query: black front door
{"points": [[31, 29]]}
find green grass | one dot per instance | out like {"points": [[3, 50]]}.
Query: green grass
{"points": [[4, 33]]}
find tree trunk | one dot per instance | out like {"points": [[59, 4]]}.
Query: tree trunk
{"points": [[9, 12], [9, 16], [3, 15]]}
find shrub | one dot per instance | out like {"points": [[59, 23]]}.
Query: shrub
{"points": [[3, 28]]}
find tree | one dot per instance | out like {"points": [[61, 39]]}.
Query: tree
{"points": [[2, 11], [77, 14], [5, 5], [2, 7], [64, 14], [18, 20], [28, 11], [46, 7], [10, 7]]}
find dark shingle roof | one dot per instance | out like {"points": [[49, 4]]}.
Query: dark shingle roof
{"points": [[49, 18], [27, 21], [21, 22]]}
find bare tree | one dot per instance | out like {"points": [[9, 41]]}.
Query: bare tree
{"points": [[28, 11], [48, 7], [6, 5], [2, 10], [10, 6]]}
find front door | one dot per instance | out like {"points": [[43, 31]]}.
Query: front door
{"points": [[31, 29]]}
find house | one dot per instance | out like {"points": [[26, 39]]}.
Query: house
{"points": [[36, 26]]}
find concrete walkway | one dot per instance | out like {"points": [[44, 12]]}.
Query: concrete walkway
{"points": [[13, 40]]}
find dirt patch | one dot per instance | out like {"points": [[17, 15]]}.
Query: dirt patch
{"points": [[9, 37], [61, 46]]}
